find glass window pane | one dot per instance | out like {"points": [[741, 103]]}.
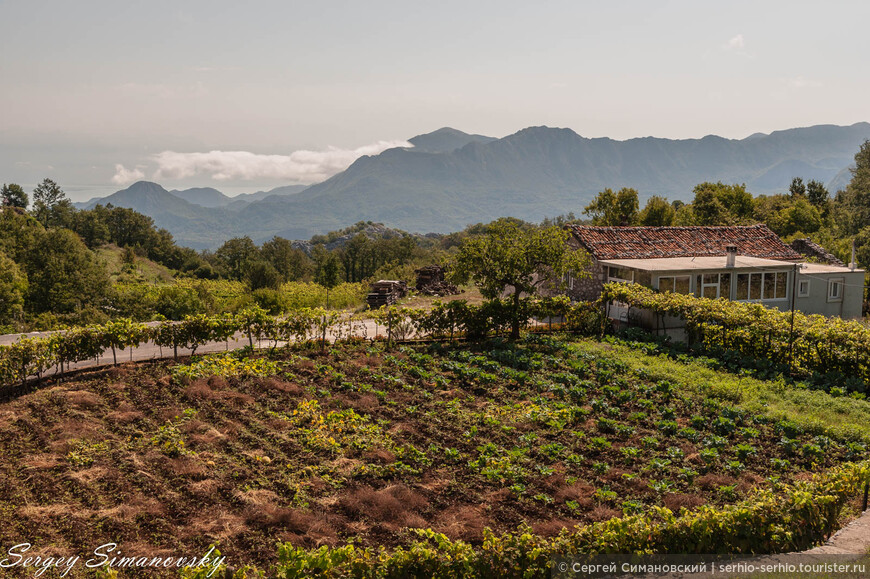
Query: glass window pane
{"points": [[620, 273], [769, 286], [681, 285], [644, 278], [711, 278], [742, 286], [755, 286], [666, 284], [711, 291], [781, 283], [725, 286]]}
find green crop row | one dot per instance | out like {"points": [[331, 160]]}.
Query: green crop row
{"points": [[794, 518], [33, 357]]}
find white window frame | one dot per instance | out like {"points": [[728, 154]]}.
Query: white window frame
{"points": [[705, 285], [803, 293], [674, 278], [619, 279], [763, 275], [837, 282]]}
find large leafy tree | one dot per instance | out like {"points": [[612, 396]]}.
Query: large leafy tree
{"points": [[657, 212], [63, 275], [329, 269], [291, 263], [13, 286], [236, 257], [817, 194], [14, 196], [609, 208], [18, 232], [855, 200], [51, 206], [720, 204], [518, 260]]}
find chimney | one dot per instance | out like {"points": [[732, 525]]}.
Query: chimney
{"points": [[730, 255]]}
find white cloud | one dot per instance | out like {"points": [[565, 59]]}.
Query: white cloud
{"points": [[736, 43], [123, 176], [298, 167]]}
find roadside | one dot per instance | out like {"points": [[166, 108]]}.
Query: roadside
{"points": [[853, 539]]}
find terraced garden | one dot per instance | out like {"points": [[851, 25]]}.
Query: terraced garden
{"points": [[358, 445]]}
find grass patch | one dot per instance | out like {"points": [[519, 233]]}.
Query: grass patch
{"points": [[814, 410]]}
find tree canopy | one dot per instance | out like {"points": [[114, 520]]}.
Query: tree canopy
{"points": [[609, 208], [510, 258], [13, 195]]}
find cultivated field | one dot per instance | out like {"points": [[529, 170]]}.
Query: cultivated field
{"points": [[358, 444]]}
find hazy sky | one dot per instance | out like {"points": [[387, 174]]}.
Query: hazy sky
{"points": [[244, 96]]}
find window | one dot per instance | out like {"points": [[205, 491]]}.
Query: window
{"points": [[620, 274], [714, 285], [767, 285], [804, 288], [835, 290], [677, 284], [644, 278], [710, 285]]}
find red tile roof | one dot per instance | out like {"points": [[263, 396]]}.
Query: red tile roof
{"points": [[653, 242]]}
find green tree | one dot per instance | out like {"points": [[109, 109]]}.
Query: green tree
{"points": [[50, 205], [609, 208], [291, 263], [92, 227], [13, 195], [797, 188], [817, 194], [510, 258], [18, 232], [855, 200], [263, 275], [657, 212], [801, 216], [13, 287], [328, 271], [63, 275], [707, 209], [720, 204], [236, 256]]}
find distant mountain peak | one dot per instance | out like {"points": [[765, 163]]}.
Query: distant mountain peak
{"points": [[202, 196], [445, 140], [144, 187]]}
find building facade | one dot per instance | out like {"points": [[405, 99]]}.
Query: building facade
{"points": [[738, 263]]}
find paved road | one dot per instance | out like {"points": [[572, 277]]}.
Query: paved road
{"points": [[151, 351]]}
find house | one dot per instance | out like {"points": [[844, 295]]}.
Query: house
{"points": [[740, 263]]}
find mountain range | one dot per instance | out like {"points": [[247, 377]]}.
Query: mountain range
{"points": [[450, 179]]}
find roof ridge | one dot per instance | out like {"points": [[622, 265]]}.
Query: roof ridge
{"points": [[631, 242]]}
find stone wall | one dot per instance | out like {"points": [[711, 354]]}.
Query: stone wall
{"points": [[588, 288]]}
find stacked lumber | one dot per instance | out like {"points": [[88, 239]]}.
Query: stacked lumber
{"points": [[430, 282], [386, 292]]}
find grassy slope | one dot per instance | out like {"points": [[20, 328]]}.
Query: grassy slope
{"points": [[145, 269], [358, 443], [818, 412]]}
